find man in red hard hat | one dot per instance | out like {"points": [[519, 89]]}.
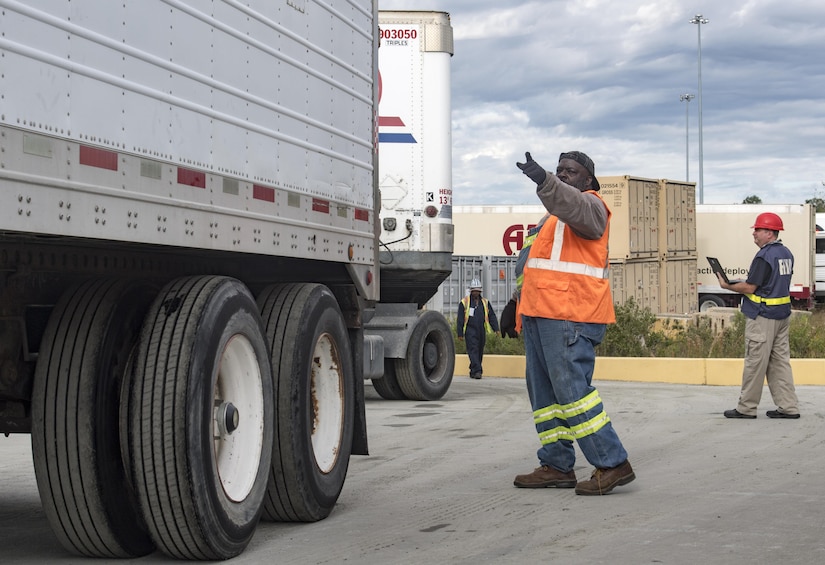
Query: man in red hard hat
{"points": [[767, 308]]}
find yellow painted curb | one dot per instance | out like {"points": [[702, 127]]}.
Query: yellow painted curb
{"points": [[715, 372]]}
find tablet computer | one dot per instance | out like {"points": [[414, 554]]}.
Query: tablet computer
{"points": [[716, 267]]}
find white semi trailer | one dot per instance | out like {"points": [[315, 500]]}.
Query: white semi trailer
{"points": [[415, 179], [724, 231], [191, 295]]}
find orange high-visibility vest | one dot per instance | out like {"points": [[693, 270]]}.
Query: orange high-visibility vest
{"points": [[566, 277]]}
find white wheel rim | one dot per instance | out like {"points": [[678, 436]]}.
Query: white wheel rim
{"points": [[238, 449], [327, 403]]}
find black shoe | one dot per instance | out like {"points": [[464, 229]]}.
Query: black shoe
{"points": [[778, 414], [737, 414], [475, 375]]}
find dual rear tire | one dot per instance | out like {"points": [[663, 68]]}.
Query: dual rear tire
{"points": [[156, 416]]}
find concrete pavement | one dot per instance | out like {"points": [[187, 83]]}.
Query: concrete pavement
{"points": [[437, 487]]}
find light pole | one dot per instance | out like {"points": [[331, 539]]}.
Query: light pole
{"points": [[699, 20], [687, 98]]}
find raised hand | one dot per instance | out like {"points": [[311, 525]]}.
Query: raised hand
{"points": [[532, 169]]}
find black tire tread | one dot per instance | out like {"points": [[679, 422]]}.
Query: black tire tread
{"points": [[84, 489], [293, 494], [412, 377]]}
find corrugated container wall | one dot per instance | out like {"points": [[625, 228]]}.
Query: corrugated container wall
{"points": [[634, 227], [678, 289], [637, 279], [677, 218], [497, 276]]}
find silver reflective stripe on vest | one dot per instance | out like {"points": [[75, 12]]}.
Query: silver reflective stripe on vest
{"points": [[555, 264], [558, 241], [567, 267]]}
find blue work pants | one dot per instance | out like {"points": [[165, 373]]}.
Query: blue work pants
{"points": [[475, 339], [560, 357]]}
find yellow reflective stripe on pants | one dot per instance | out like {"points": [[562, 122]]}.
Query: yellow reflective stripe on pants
{"points": [[566, 411], [769, 301], [591, 426]]}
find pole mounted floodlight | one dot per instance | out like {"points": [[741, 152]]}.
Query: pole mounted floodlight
{"points": [[699, 20], [687, 98]]}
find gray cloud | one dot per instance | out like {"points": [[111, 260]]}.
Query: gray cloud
{"points": [[605, 77]]}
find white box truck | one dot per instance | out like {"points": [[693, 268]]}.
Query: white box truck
{"points": [[724, 231], [191, 292]]}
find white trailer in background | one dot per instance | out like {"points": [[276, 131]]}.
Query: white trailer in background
{"points": [[724, 231], [415, 179], [189, 265]]}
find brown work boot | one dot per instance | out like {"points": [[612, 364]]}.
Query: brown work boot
{"points": [[546, 477], [602, 481]]}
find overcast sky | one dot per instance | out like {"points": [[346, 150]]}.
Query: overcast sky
{"points": [[605, 76]]}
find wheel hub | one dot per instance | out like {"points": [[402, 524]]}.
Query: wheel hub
{"points": [[430, 356], [228, 417]]}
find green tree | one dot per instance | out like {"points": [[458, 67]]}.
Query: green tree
{"points": [[817, 203], [752, 199]]}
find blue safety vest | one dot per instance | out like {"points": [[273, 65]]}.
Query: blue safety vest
{"points": [[773, 299]]}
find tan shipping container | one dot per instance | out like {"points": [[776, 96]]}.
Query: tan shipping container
{"points": [[678, 291], [677, 218], [634, 227], [637, 279]]}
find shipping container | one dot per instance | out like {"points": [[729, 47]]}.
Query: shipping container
{"points": [[634, 226], [497, 276], [677, 288], [638, 279], [677, 218]]}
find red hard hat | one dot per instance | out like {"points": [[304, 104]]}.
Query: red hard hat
{"points": [[768, 221]]}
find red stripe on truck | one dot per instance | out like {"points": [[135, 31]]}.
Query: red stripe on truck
{"points": [[101, 158], [191, 178], [390, 121], [263, 193], [320, 206]]}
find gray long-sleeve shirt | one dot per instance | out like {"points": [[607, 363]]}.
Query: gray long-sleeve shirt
{"points": [[585, 213]]}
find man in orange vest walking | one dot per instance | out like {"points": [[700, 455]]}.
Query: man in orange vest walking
{"points": [[565, 307], [475, 319]]}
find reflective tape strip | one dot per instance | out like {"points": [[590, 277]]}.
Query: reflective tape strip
{"points": [[568, 267], [576, 432], [591, 426], [558, 241], [566, 411], [769, 301], [556, 434]]}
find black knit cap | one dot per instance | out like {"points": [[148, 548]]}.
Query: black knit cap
{"points": [[586, 162]]}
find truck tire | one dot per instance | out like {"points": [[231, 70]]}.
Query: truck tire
{"points": [[708, 301], [387, 386], [76, 441], [313, 371], [427, 371], [201, 418]]}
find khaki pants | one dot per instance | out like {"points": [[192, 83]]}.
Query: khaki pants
{"points": [[767, 355]]}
